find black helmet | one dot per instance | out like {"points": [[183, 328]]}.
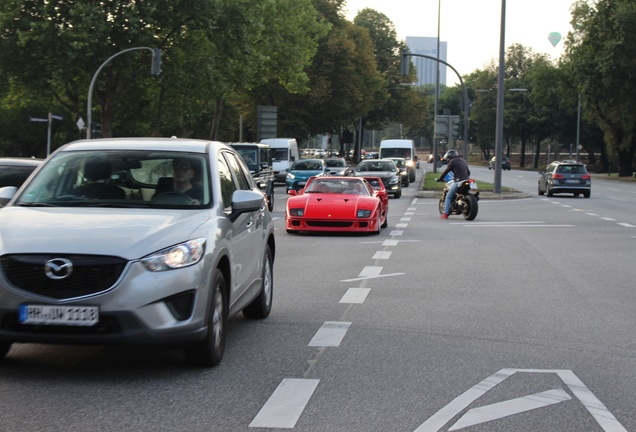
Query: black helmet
{"points": [[452, 153]]}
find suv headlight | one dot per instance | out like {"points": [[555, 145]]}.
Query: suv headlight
{"points": [[394, 180], [177, 256]]}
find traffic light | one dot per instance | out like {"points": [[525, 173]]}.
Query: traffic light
{"points": [[454, 126], [155, 67], [404, 63], [96, 130], [473, 131], [442, 130]]}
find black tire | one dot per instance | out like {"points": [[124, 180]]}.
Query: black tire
{"points": [[398, 194], [539, 190], [386, 221], [261, 306], [209, 352], [441, 204], [4, 349], [270, 201], [471, 207], [587, 194], [412, 176], [548, 191]]}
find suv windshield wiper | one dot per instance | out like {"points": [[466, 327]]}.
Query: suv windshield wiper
{"points": [[36, 204]]}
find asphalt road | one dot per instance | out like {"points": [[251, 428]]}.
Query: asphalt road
{"points": [[522, 319]]}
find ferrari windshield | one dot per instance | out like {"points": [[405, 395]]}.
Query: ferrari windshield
{"points": [[355, 186]]}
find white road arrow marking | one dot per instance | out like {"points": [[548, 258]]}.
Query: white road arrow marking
{"points": [[594, 406], [515, 406]]}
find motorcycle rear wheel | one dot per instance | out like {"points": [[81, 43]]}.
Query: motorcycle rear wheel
{"points": [[441, 204], [470, 207]]}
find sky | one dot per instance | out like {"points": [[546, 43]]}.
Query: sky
{"points": [[472, 27]]}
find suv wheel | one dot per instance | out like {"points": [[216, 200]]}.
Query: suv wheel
{"points": [[261, 306], [548, 191], [209, 351]]}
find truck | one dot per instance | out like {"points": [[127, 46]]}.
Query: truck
{"points": [[284, 154], [401, 148], [258, 158]]}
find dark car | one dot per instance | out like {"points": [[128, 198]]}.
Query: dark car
{"points": [[14, 171], [386, 170], [400, 163], [565, 177], [258, 158], [338, 166], [505, 163]]}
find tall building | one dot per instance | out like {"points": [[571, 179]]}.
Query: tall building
{"points": [[426, 68]]}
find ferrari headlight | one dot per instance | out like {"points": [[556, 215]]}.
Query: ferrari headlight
{"points": [[296, 212], [177, 256], [364, 213]]}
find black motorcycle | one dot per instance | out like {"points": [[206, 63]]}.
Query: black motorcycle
{"points": [[465, 199]]}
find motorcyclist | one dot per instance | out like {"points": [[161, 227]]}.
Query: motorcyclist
{"points": [[460, 170]]}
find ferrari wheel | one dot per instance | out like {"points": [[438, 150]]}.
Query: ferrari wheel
{"points": [[378, 223]]}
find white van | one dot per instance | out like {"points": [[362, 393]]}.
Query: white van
{"points": [[284, 154], [401, 148]]}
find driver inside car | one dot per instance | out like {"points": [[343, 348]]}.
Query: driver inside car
{"points": [[183, 173]]}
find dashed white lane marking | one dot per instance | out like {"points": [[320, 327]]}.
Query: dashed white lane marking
{"points": [[286, 404], [405, 219], [396, 233], [355, 295], [382, 255], [401, 225], [409, 213], [507, 408], [626, 225], [330, 334], [390, 243], [370, 271], [591, 214], [608, 219]]}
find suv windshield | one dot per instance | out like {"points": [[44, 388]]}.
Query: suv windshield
{"points": [[121, 179]]}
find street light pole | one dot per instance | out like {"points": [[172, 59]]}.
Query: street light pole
{"points": [[500, 100], [435, 150], [578, 127], [155, 70]]}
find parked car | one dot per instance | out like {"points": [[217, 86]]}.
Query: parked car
{"points": [[104, 244], [505, 163], [301, 170], [338, 166], [565, 177], [400, 163], [337, 203], [15, 171], [386, 170]]}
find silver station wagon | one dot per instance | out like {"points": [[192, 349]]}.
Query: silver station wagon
{"points": [[135, 241]]}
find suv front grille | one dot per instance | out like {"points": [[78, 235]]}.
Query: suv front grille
{"points": [[91, 274]]}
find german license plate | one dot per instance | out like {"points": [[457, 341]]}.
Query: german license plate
{"points": [[58, 315], [572, 181]]}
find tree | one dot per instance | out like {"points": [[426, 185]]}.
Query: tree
{"points": [[212, 50], [600, 53]]}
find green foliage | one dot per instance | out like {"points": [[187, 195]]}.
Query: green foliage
{"points": [[600, 56]]}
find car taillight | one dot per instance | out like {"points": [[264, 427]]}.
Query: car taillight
{"points": [[557, 176], [585, 177]]}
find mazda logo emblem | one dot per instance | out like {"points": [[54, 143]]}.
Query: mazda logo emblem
{"points": [[58, 268]]}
